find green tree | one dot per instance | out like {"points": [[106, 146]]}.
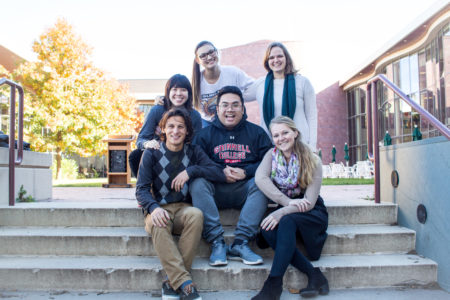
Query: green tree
{"points": [[71, 105]]}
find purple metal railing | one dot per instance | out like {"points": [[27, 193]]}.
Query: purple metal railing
{"points": [[12, 133], [372, 123]]}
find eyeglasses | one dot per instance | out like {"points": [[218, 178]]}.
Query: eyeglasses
{"points": [[211, 53], [233, 106]]}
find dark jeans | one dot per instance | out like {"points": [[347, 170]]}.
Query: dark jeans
{"points": [[135, 159], [311, 226]]}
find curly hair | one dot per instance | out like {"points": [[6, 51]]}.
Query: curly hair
{"points": [[177, 112]]}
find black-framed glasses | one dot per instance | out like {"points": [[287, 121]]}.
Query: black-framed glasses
{"points": [[211, 53], [234, 106]]}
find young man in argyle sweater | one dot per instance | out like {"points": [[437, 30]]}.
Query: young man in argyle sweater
{"points": [[162, 191]]}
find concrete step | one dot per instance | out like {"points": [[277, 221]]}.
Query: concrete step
{"points": [[131, 273], [342, 239], [128, 215]]}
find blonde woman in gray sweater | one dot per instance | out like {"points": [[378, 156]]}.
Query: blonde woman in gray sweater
{"points": [[290, 174]]}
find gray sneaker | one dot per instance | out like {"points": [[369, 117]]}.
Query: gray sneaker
{"points": [[167, 292], [244, 253], [218, 253], [189, 293]]}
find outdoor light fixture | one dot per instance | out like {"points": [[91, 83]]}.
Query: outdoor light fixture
{"points": [[421, 213], [394, 178]]}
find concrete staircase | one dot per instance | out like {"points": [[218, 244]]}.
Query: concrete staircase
{"points": [[50, 246]]}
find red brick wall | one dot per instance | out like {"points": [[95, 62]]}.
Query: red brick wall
{"points": [[9, 59], [332, 122], [249, 58]]}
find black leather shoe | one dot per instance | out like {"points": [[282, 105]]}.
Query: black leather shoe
{"points": [[272, 289], [317, 285]]}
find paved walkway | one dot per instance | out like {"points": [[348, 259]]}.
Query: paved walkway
{"points": [[347, 294], [89, 197], [114, 195]]}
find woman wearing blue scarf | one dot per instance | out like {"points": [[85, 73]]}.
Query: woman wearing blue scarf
{"points": [[290, 174], [284, 92]]}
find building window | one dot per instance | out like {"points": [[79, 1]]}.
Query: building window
{"points": [[145, 108], [357, 124], [421, 76]]}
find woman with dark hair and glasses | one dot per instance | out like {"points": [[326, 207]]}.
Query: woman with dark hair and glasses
{"points": [[285, 92], [178, 93], [207, 81]]}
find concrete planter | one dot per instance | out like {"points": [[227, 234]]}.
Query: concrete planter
{"points": [[34, 174]]}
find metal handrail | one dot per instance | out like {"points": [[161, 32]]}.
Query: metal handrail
{"points": [[372, 117], [12, 133]]}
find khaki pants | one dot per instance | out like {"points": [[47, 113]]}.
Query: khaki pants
{"points": [[177, 261]]}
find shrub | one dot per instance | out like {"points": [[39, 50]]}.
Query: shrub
{"points": [[69, 169], [22, 196]]}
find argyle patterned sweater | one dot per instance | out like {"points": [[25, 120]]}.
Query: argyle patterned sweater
{"points": [[159, 167]]}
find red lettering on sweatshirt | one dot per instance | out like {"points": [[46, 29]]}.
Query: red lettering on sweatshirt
{"points": [[231, 147], [232, 153]]}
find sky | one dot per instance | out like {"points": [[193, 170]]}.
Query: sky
{"points": [[136, 39]]}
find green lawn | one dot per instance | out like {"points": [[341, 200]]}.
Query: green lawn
{"points": [[97, 182], [346, 181]]}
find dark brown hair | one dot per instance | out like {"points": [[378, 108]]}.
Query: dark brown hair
{"points": [[178, 81], [289, 69], [177, 112], [230, 89], [196, 75]]}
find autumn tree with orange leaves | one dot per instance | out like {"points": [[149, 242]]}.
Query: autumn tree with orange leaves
{"points": [[70, 104]]}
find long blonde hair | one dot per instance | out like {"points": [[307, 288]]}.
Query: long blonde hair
{"points": [[307, 159]]}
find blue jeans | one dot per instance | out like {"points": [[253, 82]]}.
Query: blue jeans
{"points": [[210, 197]]}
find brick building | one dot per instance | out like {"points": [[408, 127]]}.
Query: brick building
{"points": [[9, 59], [417, 60]]}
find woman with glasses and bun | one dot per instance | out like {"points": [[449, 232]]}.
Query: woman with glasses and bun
{"points": [[210, 78], [285, 92], [178, 93]]}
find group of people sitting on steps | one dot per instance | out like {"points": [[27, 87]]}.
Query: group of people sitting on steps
{"points": [[197, 154]]}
